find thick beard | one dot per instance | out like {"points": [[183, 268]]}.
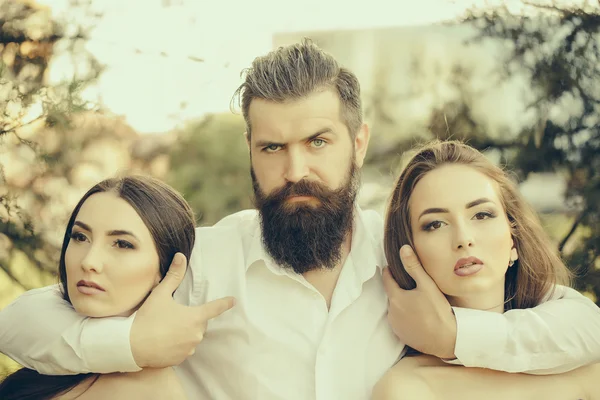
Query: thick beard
{"points": [[303, 236]]}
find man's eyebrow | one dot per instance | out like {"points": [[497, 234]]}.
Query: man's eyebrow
{"points": [[267, 143], [319, 133], [445, 210]]}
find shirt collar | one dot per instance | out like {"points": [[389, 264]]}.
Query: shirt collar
{"points": [[367, 244]]}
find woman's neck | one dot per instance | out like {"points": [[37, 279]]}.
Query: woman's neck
{"points": [[485, 301]]}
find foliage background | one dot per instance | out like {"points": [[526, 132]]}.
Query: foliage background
{"points": [[55, 141]]}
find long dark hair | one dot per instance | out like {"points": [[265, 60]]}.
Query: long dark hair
{"points": [[539, 267], [171, 223]]}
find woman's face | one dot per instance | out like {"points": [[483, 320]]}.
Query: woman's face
{"points": [[462, 235], [111, 261]]}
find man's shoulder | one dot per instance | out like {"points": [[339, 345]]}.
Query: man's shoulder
{"points": [[372, 221], [242, 224], [238, 219]]}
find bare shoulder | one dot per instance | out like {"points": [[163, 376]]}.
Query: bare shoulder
{"points": [[587, 378], [431, 378], [150, 383], [404, 380], [421, 360]]}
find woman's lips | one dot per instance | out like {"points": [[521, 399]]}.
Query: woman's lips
{"points": [[467, 266], [468, 270], [89, 287]]}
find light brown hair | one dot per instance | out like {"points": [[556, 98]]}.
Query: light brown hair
{"points": [[539, 267], [296, 71]]}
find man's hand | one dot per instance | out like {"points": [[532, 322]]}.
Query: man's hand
{"points": [[165, 333], [422, 318]]}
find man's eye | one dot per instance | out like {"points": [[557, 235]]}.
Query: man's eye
{"points": [[272, 148], [318, 143]]}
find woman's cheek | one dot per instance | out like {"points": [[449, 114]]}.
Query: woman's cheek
{"points": [[423, 248]]}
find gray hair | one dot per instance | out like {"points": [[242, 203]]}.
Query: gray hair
{"points": [[296, 71]]}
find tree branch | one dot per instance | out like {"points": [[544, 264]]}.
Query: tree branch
{"points": [[576, 223], [548, 7], [13, 277], [19, 126]]}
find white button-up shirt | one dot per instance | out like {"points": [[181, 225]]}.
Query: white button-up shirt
{"points": [[280, 341]]}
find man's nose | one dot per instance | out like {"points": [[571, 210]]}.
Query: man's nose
{"points": [[297, 166]]}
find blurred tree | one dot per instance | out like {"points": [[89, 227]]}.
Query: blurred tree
{"points": [[210, 166], [557, 49], [29, 38]]}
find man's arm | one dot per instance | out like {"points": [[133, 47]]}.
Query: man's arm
{"points": [[42, 331], [556, 336]]}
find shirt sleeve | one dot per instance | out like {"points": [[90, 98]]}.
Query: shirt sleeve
{"points": [[559, 335], [42, 331]]}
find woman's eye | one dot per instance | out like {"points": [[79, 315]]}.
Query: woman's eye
{"points": [[484, 215], [123, 244], [433, 225], [78, 237]]}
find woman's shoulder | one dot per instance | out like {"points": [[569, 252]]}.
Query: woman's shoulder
{"points": [[404, 381], [149, 383]]}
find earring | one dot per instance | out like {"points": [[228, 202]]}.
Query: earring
{"points": [[514, 256]]}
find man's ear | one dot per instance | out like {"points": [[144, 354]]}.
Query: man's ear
{"points": [[247, 139], [361, 144]]}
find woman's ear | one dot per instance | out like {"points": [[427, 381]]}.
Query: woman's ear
{"points": [[514, 254]]}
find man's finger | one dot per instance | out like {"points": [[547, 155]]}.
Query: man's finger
{"points": [[217, 307], [389, 284], [174, 275], [413, 267]]}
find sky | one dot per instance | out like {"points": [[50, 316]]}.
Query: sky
{"points": [[155, 93]]}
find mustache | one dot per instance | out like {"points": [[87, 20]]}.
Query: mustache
{"points": [[300, 188]]}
